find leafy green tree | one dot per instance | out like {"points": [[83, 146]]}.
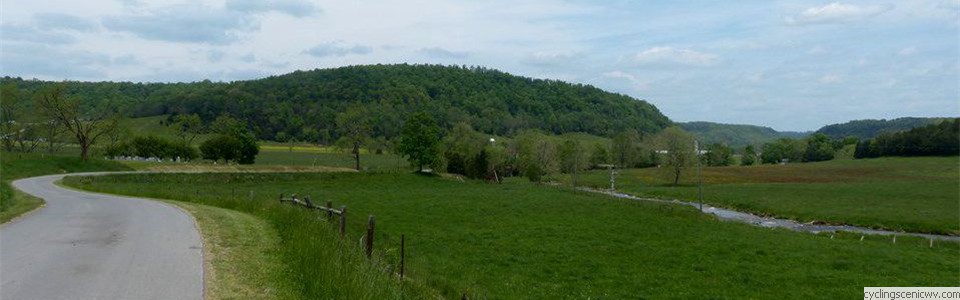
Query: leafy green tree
{"points": [[599, 156], [678, 151], [718, 155], [188, 127], [354, 128], [536, 155], [625, 151], [222, 147], [461, 145], [420, 140], [11, 111], [785, 148], [819, 148], [749, 156]]}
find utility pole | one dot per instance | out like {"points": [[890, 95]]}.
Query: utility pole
{"points": [[696, 149]]}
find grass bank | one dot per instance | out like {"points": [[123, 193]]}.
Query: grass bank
{"points": [[918, 194], [15, 165], [241, 255], [519, 240]]}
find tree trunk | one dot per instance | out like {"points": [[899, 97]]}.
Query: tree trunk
{"points": [[356, 155], [83, 151]]}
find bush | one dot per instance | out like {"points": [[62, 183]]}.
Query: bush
{"points": [[151, 146], [242, 149]]}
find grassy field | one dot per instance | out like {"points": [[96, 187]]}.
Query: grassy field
{"points": [[386, 162], [14, 166], [918, 194], [519, 240]]}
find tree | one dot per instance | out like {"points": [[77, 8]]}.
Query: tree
{"points": [[819, 148], [678, 151], [223, 147], [573, 158], [749, 156], [354, 128], [188, 127], [625, 151], [11, 108], [718, 155], [66, 112], [536, 155], [785, 148], [599, 156], [461, 145], [419, 140]]}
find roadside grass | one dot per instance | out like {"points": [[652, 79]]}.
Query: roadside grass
{"points": [[241, 254], [917, 194], [519, 240], [15, 165]]}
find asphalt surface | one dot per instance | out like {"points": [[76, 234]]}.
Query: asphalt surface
{"points": [[92, 246]]}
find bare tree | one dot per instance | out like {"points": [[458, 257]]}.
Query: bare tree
{"points": [[66, 112]]}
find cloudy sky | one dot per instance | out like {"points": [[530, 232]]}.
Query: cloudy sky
{"points": [[791, 65]]}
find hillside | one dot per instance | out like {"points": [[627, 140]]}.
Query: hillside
{"points": [[491, 101], [736, 135], [871, 128]]}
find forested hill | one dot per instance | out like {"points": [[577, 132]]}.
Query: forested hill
{"points": [[736, 135], [491, 101], [866, 129]]}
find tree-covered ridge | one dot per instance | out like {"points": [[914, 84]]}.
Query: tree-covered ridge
{"points": [[871, 128], [735, 135], [304, 104]]}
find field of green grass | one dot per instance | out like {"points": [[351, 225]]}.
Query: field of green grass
{"points": [[15, 165], [520, 240], [386, 162], [918, 194]]}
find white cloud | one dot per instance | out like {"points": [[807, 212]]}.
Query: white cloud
{"points": [[337, 48], [635, 82], [831, 79], [835, 13], [188, 23], [908, 51], [441, 53], [296, 8], [673, 56], [549, 58]]}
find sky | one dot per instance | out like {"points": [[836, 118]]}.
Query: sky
{"points": [[790, 65]]}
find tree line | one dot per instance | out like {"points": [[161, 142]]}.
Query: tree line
{"points": [[941, 139], [303, 105]]}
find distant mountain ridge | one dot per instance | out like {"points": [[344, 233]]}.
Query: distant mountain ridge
{"points": [[871, 128], [736, 135]]}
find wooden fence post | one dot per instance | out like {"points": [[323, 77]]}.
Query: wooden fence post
{"points": [[369, 240], [329, 211], [403, 254], [343, 221]]}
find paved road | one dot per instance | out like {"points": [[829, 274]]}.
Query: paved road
{"points": [[92, 246]]}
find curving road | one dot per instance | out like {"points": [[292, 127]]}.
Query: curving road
{"points": [[93, 246]]}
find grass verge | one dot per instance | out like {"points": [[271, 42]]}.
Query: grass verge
{"points": [[241, 254]]}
